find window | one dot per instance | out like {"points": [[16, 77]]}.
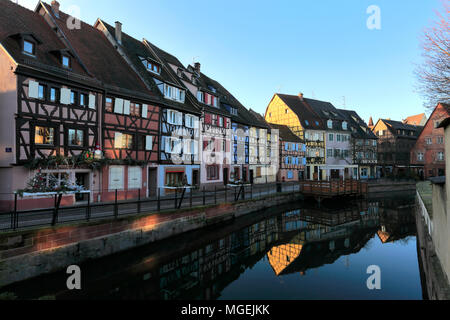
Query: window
{"points": [[174, 93], [221, 122], [428, 141], [76, 137], [329, 153], [73, 97], [54, 94], [116, 178], [109, 105], [307, 122], [174, 117], [212, 172], [440, 156], [344, 125], [191, 121], [66, 61], [134, 177], [374, 143], [330, 124], [258, 172], [420, 156], [83, 99], [440, 140], [331, 137], [29, 47], [338, 138], [44, 135], [123, 141], [135, 109], [150, 66], [200, 96], [41, 92], [290, 175]]}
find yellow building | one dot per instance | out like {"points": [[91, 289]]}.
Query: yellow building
{"points": [[292, 111]]}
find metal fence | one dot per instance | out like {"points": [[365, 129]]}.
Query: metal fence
{"points": [[177, 198]]}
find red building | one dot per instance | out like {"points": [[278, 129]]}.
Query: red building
{"points": [[429, 150]]}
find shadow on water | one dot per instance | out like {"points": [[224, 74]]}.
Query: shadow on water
{"points": [[267, 246]]}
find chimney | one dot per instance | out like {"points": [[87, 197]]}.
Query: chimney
{"points": [[300, 95], [197, 67], [55, 8], [119, 32]]}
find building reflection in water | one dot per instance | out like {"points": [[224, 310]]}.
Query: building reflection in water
{"points": [[291, 242]]}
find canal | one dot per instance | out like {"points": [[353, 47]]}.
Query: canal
{"points": [[296, 251]]}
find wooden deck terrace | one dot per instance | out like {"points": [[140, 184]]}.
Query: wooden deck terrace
{"points": [[332, 189]]}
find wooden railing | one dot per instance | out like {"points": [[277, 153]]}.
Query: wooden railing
{"points": [[334, 188]]}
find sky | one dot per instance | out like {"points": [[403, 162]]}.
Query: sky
{"points": [[256, 48]]}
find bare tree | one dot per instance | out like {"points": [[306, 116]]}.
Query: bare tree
{"points": [[434, 73]]}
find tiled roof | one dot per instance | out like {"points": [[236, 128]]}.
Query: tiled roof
{"points": [[358, 124], [397, 125], [16, 20], [415, 120], [286, 134], [100, 57], [135, 49], [308, 118]]}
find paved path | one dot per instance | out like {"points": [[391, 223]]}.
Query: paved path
{"points": [[149, 205]]}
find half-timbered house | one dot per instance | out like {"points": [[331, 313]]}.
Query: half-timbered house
{"points": [[292, 161], [129, 123], [50, 107], [179, 119], [293, 112]]}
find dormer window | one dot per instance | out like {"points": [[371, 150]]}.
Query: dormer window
{"points": [[344, 125], [330, 124], [151, 66], [200, 96], [65, 61], [174, 93], [29, 47]]}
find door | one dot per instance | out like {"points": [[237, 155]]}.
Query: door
{"points": [[152, 182], [251, 176], [195, 180], [82, 179], [225, 176]]}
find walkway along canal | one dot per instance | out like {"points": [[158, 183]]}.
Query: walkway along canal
{"points": [[296, 251]]}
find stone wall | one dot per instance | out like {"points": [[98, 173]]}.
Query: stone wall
{"points": [[30, 253]]}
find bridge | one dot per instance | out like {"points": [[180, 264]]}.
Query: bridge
{"points": [[334, 188]]}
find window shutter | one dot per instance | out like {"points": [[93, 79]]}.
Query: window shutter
{"points": [[286, 145], [118, 140], [126, 107], [33, 89], [167, 144], [65, 96], [144, 111], [148, 143], [116, 178], [118, 106], [177, 146], [134, 178], [207, 118], [187, 146], [195, 147], [92, 101]]}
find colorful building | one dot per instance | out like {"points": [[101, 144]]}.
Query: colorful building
{"points": [[395, 142], [364, 148], [292, 111], [292, 152], [428, 154]]}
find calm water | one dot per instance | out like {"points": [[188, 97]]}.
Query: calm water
{"points": [[299, 251]]}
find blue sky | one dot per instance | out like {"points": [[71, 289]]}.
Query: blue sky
{"points": [[255, 48]]}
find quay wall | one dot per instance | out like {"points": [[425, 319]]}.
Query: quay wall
{"points": [[30, 253]]}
